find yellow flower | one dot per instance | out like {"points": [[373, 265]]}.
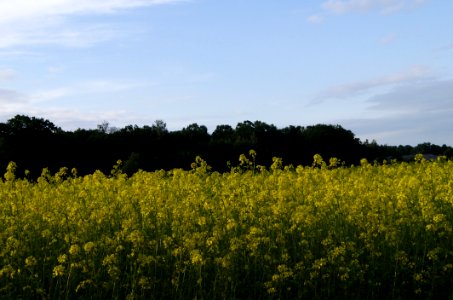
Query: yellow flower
{"points": [[74, 250], [30, 261], [62, 258], [58, 271], [88, 247], [195, 257]]}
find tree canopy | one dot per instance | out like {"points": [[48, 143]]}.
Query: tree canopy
{"points": [[35, 143]]}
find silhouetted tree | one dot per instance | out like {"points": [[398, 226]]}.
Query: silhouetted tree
{"points": [[35, 143], [22, 124]]}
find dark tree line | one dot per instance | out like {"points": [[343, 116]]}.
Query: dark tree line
{"points": [[35, 143]]}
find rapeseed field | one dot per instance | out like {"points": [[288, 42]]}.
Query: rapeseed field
{"points": [[327, 231]]}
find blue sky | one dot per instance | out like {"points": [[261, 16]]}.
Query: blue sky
{"points": [[381, 68]]}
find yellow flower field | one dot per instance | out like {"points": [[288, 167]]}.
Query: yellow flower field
{"points": [[326, 231]]}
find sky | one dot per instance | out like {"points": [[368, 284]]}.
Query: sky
{"points": [[380, 68]]}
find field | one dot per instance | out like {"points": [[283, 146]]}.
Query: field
{"points": [[374, 231]]}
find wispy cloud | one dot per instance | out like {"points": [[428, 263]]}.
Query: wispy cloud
{"points": [[10, 100], [54, 69], [405, 127], [430, 96], [7, 74], [74, 118], [20, 10], [315, 19], [383, 6], [354, 88], [387, 39], [109, 86], [15, 53], [44, 103], [49, 95], [24, 22], [83, 36], [405, 113], [342, 7], [346, 6], [13, 101], [83, 88], [71, 119]]}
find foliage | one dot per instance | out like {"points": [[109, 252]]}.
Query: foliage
{"points": [[324, 231], [37, 143]]}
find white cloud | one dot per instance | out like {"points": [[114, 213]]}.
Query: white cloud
{"points": [[383, 6], [24, 22], [354, 88], [19, 10]]}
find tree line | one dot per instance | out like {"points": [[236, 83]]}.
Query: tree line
{"points": [[36, 143]]}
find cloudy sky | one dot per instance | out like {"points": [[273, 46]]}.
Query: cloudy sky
{"points": [[381, 68]]}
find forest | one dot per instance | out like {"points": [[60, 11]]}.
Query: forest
{"points": [[35, 143]]}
